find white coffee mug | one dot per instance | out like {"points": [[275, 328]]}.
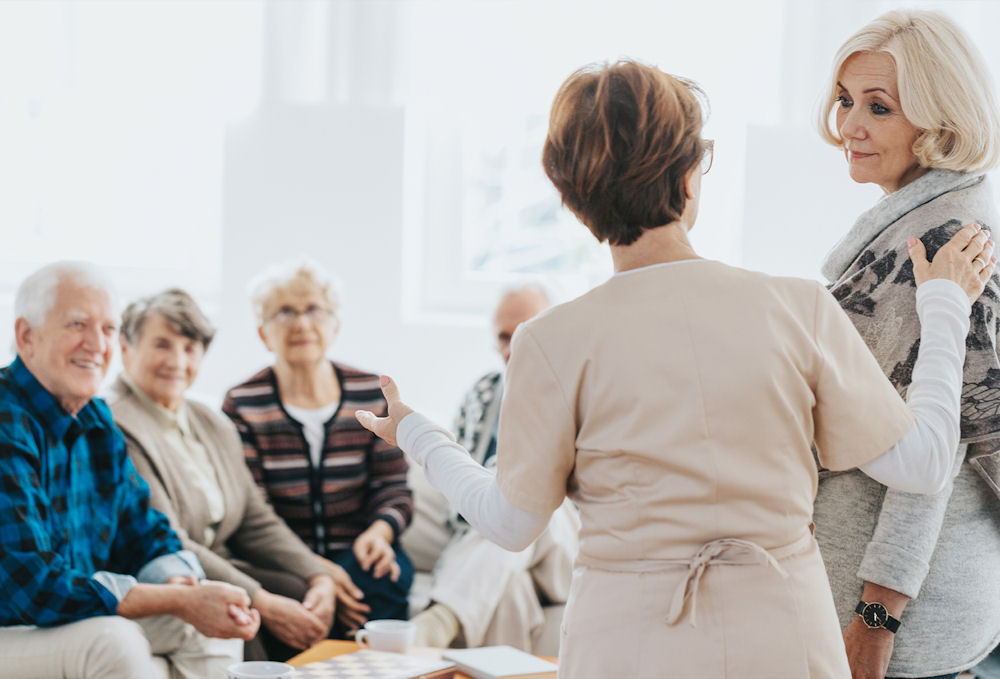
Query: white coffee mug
{"points": [[395, 636], [260, 669]]}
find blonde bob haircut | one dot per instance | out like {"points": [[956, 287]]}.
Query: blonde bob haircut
{"points": [[282, 276], [944, 88]]}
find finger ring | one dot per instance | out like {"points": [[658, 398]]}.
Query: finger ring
{"points": [[982, 262]]}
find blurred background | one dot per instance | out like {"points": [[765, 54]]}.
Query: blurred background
{"points": [[398, 144]]}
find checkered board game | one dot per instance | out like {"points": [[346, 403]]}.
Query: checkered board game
{"points": [[377, 665]]}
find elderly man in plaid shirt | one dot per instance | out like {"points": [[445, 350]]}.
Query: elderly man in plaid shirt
{"points": [[93, 582]]}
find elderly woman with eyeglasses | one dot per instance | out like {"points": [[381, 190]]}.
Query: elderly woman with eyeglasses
{"points": [[678, 404], [341, 489], [192, 459]]}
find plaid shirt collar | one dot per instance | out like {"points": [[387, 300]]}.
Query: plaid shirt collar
{"points": [[44, 406]]}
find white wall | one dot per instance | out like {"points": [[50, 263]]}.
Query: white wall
{"points": [[193, 143], [326, 181]]}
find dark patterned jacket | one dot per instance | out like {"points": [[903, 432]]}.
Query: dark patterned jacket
{"points": [[476, 427], [476, 424], [361, 478]]}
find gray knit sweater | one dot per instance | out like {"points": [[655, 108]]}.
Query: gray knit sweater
{"points": [[943, 550]]}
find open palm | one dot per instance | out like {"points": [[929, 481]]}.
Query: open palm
{"points": [[385, 427]]}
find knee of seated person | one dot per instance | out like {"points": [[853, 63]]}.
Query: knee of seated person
{"points": [[120, 646], [402, 583], [285, 584], [349, 562]]}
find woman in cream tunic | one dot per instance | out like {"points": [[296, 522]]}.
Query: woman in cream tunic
{"points": [[677, 405]]}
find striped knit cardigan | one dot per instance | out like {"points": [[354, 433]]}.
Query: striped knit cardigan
{"points": [[361, 478]]}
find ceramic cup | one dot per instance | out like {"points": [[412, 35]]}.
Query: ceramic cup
{"points": [[395, 636], [260, 669]]}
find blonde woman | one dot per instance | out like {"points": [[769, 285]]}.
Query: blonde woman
{"points": [[911, 106]]}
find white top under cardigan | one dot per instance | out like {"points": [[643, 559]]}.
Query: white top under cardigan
{"points": [[313, 421]]}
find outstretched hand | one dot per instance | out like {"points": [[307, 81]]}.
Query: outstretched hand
{"points": [[385, 427], [966, 259]]}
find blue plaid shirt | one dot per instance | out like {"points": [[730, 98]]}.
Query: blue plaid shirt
{"points": [[71, 504]]}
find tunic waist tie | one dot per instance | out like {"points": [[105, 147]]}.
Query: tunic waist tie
{"points": [[725, 551]]}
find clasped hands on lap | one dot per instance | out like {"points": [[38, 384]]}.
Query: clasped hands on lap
{"points": [[299, 624], [303, 624], [216, 609]]}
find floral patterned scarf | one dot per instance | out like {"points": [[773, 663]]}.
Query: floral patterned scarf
{"points": [[872, 277]]}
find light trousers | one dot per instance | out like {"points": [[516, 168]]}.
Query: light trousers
{"points": [[111, 647], [495, 593]]}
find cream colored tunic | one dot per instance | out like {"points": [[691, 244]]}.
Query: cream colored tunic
{"points": [[677, 405]]}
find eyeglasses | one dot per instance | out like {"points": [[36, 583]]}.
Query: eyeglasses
{"points": [[287, 315], [709, 155]]}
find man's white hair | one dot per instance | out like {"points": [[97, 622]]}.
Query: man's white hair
{"points": [[535, 290], [37, 293]]}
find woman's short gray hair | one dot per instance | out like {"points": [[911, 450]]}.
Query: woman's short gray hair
{"points": [[285, 274], [944, 88], [36, 295], [178, 309]]}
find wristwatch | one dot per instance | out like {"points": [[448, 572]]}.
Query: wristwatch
{"points": [[876, 616]]}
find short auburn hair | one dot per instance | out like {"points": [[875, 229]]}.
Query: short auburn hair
{"points": [[621, 139], [945, 89]]}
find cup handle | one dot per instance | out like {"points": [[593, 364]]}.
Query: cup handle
{"points": [[361, 637]]}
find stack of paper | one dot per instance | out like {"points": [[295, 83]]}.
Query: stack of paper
{"points": [[500, 662]]}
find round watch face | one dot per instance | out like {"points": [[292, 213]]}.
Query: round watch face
{"points": [[875, 615]]}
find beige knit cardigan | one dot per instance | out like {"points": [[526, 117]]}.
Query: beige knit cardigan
{"points": [[250, 530]]}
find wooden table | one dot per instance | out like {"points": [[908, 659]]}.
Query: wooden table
{"points": [[325, 650]]}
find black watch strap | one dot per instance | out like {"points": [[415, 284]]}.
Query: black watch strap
{"points": [[875, 616]]}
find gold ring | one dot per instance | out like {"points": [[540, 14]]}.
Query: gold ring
{"points": [[982, 262]]}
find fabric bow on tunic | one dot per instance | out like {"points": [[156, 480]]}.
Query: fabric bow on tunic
{"points": [[716, 552]]}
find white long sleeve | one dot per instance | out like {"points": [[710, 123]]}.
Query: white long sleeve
{"points": [[926, 457], [470, 488]]}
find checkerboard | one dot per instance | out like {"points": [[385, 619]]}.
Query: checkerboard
{"points": [[369, 664]]}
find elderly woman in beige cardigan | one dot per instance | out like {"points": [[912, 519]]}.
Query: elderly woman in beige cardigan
{"points": [[192, 459]]}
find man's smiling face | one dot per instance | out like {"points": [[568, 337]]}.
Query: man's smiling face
{"points": [[69, 353]]}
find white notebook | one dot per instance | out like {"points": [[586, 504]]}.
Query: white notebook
{"points": [[500, 662]]}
